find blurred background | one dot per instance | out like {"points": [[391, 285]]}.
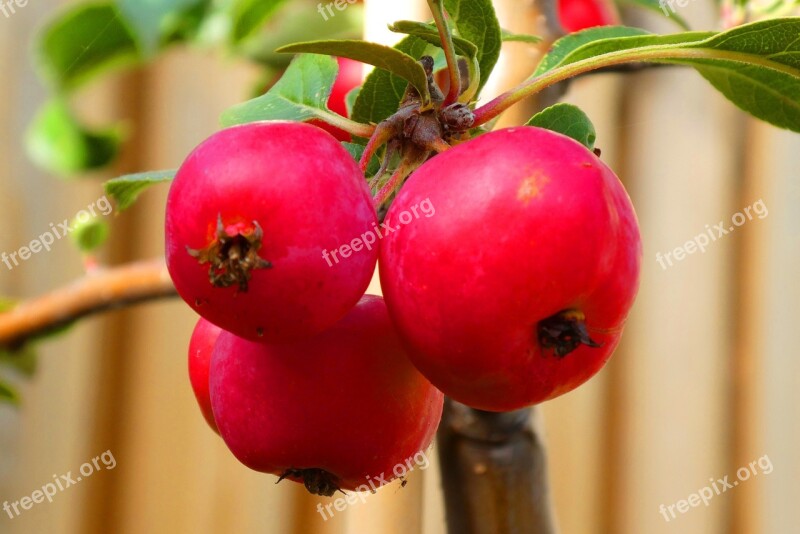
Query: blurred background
{"points": [[704, 383]]}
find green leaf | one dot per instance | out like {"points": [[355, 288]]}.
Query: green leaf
{"points": [[568, 120], [429, 33], [756, 66], [248, 15], [509, 37], [89, 235], [59, 143], [126, 189], [8, 395], [382, 57], [350, 99], [571, 42], [768, 88], [302, 90], [658, 6], [640, 40], [83, 41], [152, 20], [476, 22], [356, 150], [382, 91]]}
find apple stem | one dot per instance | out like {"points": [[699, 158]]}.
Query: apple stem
{"points": [[437, 9], [343, 123]]}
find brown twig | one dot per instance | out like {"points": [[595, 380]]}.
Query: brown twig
{"points": [[94, 293]]}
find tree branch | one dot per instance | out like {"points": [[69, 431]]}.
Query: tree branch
{"points": [[94, 293], [494, 472]]}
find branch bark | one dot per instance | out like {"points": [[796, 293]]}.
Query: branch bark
{"points": [[494, 472], [94, 293]]}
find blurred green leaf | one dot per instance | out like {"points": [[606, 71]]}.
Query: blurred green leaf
{"points": [[153, 20], [59, 143], [568, 120], [383, 57], [83, 41], [89, 235], [657, 6], [8, 395], [7, 304], [303, 89], [22, 361], [293, 25], [248, 15], [126, 189]]}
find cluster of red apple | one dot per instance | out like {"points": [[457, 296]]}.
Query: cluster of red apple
{"points": [[513, 293]]}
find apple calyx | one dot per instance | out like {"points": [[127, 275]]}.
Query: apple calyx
{"points": [[564, 332], [317, 481], [232, 255]]}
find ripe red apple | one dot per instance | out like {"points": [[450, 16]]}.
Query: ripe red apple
{"points": [[201, 346], [333, 411], [349, 77], [577, 15], [517, 289], [250, 215]]}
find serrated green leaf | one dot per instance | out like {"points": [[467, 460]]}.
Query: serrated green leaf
{"points": [[248, 15], [637, 39], [476, 22], [658, 6], [126, 189], [8, 395], [509, 37], [56, 141], [83, 41], [568, 120], [380, 56], [571, 42], [89, 235], [429, 33], [302, 90], [152, 20], [756, 66], [382, 91]]}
